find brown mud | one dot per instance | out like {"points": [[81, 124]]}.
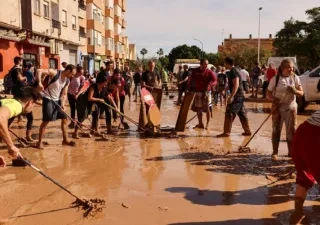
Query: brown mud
{"points": [[190, 178]]}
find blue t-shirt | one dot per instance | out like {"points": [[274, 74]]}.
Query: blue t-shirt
{"points": [[29, 75]]}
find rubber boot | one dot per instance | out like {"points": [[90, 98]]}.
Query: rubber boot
{"points": [[28, 136]]}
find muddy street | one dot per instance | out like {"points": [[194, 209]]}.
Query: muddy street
{"points": [[191, 179]]}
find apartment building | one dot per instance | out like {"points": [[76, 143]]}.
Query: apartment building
{"points": [[106, 26], [229, 43], [48, 32]]}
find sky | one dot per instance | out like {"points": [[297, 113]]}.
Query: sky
{"points": [[154, 24]]}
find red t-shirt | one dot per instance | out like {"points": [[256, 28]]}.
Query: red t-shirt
{"points": [[202, 80], [271, 73]]}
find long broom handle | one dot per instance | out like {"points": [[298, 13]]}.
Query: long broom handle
{"points": [[198, 113], [259, 128], [52, 180], [19, 139], [76, 123]]}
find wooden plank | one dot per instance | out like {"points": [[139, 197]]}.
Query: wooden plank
{"points": [[184, 110]]}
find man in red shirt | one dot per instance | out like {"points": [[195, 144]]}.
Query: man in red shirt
{"points": [[201, 81], [271, 72]]}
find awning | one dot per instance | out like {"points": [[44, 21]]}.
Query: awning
{"points": [[33, 42]]}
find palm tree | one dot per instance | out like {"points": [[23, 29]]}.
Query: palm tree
{"points": [[143, 52], [160, 52]]}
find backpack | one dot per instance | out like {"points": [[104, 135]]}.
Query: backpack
{"points": [[46, 82], [8, 81]]}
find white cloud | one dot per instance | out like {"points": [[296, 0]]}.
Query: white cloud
{"points": [[154, 24]]}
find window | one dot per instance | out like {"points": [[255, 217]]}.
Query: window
{"points": [[74, 24], [46, 9], [95, 37], [64, 17], [37, 7], [52, 63]]}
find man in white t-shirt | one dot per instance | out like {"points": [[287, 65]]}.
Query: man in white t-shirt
{"points": [[55, 89], [245, 77]]}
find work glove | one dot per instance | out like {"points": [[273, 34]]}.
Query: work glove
{"points": [[292, 89]]}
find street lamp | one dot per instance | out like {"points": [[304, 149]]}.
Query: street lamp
{"points": [[95, 11], [259, 35], [201, 45]]}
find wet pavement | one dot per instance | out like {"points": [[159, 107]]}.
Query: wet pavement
{"points": [[191, 179]]}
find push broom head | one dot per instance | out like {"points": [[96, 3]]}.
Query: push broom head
{"points": [[244, 149]]}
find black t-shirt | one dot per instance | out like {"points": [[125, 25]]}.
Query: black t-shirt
{"points": [[184, 75], [14, 75], [137, 78], [151, 79], [222, 79], [233, 74], [256, 72]]}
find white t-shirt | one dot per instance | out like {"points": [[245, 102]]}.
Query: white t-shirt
{"points": [[287, 99], [315, 119], [244, 75], [54, 90]]}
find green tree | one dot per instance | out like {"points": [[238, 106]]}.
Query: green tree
{"points": [[301, 39]]}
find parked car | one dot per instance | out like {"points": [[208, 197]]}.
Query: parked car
{"points": [[309, 83]]}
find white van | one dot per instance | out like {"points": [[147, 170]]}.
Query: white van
{"points": [[190, 65]]}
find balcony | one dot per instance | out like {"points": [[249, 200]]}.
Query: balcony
{"points": [[124, 24], [117, 20], [98, 49], [118, 38], [118, 2], [118, 56], [109, 12], [109, 34], [109, 53], [82, 32], [98, 3], [82, 5], [95, 25], [56, 24], [124, 5]]}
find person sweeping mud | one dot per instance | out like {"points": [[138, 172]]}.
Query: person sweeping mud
{"points": [[91, 102], [283, 90], [10, 108], [305, 155], [201, 81], [235, 102], [55, 90]]}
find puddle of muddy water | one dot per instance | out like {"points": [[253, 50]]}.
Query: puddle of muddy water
{"points": [[192, 176]]}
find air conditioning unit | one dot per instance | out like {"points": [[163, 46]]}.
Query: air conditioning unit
{"points": [[64, 23]]}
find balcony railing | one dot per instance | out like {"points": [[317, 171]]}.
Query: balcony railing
{"points": [[82, 32], [82, 5], [56, 24]]}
